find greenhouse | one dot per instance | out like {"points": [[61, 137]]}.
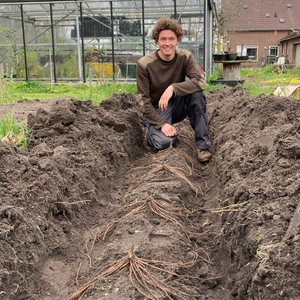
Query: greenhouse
{"points": [[59, 41]]}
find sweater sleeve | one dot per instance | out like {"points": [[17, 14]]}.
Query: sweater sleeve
{"points": [[196, 83], [143, 89]]}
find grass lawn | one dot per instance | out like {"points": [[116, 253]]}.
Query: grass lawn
{"points": [[265, 80], [13, 91], [257, 81]]}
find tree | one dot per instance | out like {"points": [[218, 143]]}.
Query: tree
{"points": [[226, 12], [17, 55]]}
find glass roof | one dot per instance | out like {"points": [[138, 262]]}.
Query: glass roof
{"points": [[153, 8]]}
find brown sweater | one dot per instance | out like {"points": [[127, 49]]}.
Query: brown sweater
{"points": [[154, 75]]}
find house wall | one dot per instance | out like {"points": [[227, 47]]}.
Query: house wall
{"points": [[288, 49], [297, 59], [262, 39], [261, 23]]}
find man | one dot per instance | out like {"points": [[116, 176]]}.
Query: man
{"points": [[166, 97]]}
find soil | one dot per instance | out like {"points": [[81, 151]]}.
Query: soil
{"points": [[88, 189]]}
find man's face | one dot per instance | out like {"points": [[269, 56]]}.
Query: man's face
{"points": [[167, 43]]}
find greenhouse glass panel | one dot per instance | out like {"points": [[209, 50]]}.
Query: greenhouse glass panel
{"points": [[67, 45], [92, 43], [38, 40], [11, 45]]}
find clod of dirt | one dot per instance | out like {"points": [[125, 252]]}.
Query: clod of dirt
{"points": [[87, 168]]}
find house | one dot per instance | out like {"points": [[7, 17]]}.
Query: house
{"points": [[289, 47], [259, 26]]}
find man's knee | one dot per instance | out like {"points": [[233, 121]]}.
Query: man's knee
{"points": [[164, 142], [196, 104]]}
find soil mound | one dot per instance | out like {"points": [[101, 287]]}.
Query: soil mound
{"points": [[257, 147], [88, 213]]}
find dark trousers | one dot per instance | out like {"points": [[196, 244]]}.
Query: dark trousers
{"points": [[193, 106]]}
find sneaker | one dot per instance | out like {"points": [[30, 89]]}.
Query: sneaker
{"points": [[203, 155]]}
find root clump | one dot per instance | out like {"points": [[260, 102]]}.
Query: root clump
{"points": [[148, 283]]}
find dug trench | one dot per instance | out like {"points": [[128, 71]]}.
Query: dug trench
{"points": [[88, 213]]}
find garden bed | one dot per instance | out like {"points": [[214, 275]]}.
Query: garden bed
{"points": [[87, 190]]}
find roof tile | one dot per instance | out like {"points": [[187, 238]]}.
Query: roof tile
{"points": [[253, 18]]}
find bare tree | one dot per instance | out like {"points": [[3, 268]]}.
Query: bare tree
{"points": [[226, 13]]}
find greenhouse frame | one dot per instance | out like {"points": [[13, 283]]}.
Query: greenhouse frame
{"points": [[88, 40]]}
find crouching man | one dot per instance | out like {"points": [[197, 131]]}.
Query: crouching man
{"points": [[166, 97]]}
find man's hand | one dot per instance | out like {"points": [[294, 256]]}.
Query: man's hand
{"points": [[165, 97], [168, 130]]}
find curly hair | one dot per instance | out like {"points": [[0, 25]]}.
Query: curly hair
{"points": [[167, 24]]}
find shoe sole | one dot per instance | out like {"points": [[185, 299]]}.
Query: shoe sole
{"points": [[204, 159]]}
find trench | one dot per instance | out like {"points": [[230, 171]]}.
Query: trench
{"points": [[175, 180], [88, 196]]}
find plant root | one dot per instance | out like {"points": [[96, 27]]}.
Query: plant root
{"points": [[230, 208], [188, 159], [159, 209], [188, 142], [5, 207], [177, 171], [146, 282], [194, 166]]}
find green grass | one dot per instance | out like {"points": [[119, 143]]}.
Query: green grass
{"points": [[40, 90], [268, 73], [257, 81], [14, 132], [210, 87], [263, 73], [255, 90], [264, 80]]}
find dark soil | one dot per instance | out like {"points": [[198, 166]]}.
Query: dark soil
{"points": [[69, 206]]}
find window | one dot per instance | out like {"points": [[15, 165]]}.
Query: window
{"points": [[268, 15], [281, 20], [245, 6], [273, 50], [252, 53], [289, 5]]}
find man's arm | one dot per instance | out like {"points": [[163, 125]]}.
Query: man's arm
{"points": [[149, 111], [196, 83], [143, 87], [167, 129], [165, 97]]}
